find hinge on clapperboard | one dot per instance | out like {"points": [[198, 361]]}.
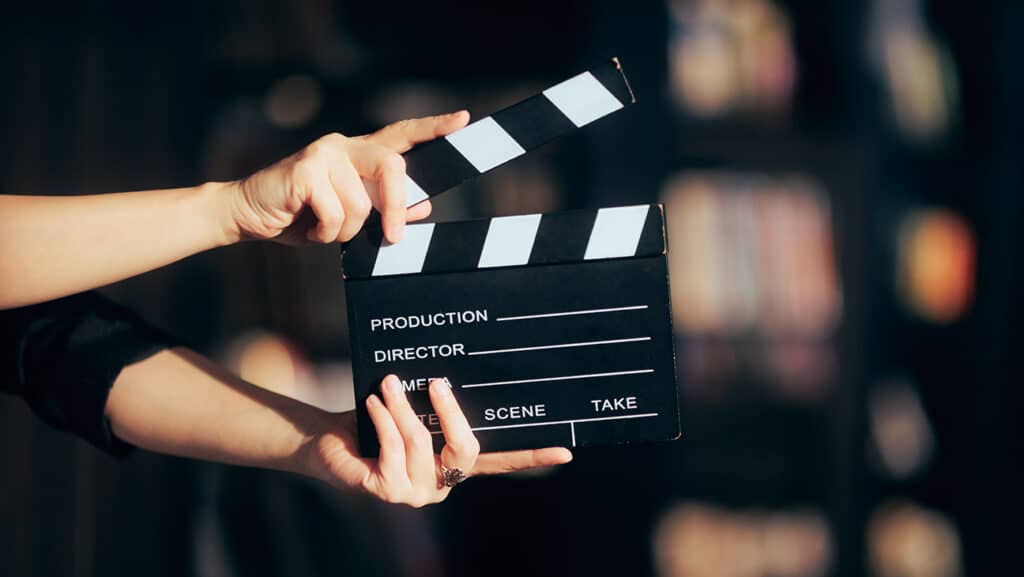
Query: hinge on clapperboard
{"points": [[439, 165]]}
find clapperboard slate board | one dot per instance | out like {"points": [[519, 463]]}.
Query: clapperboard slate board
{"points": [[554, 329]]}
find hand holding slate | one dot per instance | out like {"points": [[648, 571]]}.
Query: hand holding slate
{"points": [[407, 470], [180, 403], [325, 192]]}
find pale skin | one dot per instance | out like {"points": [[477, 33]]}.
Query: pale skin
{"points": [[178, 402]]}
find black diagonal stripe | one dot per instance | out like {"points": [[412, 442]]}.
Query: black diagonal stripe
{"points": [[612, 77], [360, 253], [456, 246], [534, 121], [436, 166], [563, 237], [652, 239]]}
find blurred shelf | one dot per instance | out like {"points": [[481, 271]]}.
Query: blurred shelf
{"points": [[742, 145]]}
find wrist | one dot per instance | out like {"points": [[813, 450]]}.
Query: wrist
{"points": [[220, 199], [307, 459]]}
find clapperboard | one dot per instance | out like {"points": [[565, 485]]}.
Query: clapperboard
{"points": [[554, 329]]}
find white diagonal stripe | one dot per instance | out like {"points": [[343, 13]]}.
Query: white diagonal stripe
{"points": [[509, 241], [582, 99], [406, 256], [616, 232], [485, 144], [414, 193]]}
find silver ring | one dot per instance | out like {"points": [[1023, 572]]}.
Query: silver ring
{"points": [[452, 477]]}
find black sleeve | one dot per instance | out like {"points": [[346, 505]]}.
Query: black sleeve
{"points": [[62, 357]]}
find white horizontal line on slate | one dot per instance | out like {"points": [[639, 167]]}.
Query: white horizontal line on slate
{"points": [[572, 313], [559, 346], [565, 422], [562, 378]]}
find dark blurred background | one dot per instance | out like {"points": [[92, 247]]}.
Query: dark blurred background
{"points": [[842, 184]]}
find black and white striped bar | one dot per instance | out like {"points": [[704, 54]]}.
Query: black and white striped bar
{"points": [[436, 166], [529, 239], [555, 329]]}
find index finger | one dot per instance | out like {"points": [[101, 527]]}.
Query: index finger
{"points": [[392, 201], [387, 168], [461, 444], [403, 135]]}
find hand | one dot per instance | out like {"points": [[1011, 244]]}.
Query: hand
{"points": [[407, 470], [324, 192]]}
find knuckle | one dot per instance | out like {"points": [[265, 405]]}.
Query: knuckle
{"points": [[465, 446], [328, 236], [390, 161], [367, 486], [332, 214], [394, 161], [390, 495], [323, 145], [304, 170], [312, 150], [393, 443], [361, 206], [458, 446], [403, 492], [347, 234], [333, 139], [423, 440]]}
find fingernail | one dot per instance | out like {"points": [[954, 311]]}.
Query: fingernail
{"points": [[372, 401], [443, 386], [392, 385]]}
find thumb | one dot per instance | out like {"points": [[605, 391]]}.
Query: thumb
{"points": [[509, 461], [403, 135]]}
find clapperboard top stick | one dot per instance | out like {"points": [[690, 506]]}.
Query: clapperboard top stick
{"points": [[436, 166]]}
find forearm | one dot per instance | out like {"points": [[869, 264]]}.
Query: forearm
{"points": [[179, 403], [55, 246]]}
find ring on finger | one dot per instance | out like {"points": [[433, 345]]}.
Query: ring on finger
{"points": [[452, 476]]}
